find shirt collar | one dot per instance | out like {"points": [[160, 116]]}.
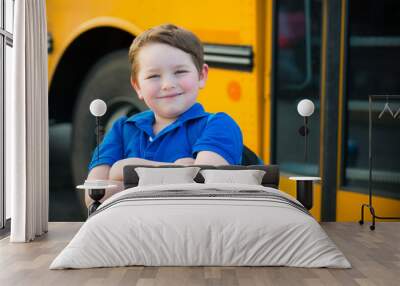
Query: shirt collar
{"points": [[147, 116], [193, 112], [142, 117], [145, 120]]}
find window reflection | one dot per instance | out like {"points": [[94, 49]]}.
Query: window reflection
{"points": [[373, 68], [298, 71]]}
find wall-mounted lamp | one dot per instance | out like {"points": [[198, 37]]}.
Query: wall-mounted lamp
{"points": [[96, 188], [304, 185], [305, 108], [98, 108]]}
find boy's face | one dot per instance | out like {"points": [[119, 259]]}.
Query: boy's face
{"points": [[167, 80]]}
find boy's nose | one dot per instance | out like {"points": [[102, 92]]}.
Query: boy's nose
{"points": [[168, 83]]}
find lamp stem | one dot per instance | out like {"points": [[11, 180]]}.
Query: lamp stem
{"points": [[305, 137], [98, 136]]}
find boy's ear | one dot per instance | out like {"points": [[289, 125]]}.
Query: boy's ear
{"points": [[203, 76], [136, 87]]}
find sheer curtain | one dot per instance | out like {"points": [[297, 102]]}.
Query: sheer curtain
{"points": [[27, 124]]}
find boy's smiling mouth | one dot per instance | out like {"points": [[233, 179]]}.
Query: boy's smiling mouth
{"points": [[170, 95]]}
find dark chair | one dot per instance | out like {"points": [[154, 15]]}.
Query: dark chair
{"points": [[250, 158]]}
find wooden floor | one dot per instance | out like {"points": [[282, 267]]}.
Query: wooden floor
{"points": [[374, 255]]}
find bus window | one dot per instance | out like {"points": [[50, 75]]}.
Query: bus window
{"points": [[297, 73], [373, 68]]}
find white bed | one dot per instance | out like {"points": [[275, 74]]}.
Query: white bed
{"points": [[201, 224]]}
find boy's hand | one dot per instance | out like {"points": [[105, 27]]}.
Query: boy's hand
{"points": [[185, 161]]}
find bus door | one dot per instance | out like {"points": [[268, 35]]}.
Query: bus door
{"points": [[296, 75], [372, 67], [337, 53]]}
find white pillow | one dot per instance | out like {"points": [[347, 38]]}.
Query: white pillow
{"points": [[248, 177], [165, 176]]}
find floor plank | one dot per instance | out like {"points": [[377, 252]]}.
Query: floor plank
{"points": [[374, 255]]}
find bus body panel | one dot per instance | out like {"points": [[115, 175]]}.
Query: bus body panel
{"points": [[245, 95], [216, 22]]}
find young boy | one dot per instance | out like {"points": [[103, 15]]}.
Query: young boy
{"points": [[167, 72]]}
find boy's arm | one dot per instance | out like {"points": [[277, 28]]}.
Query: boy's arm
{"points": [[220, 143], [209, 158], [116, 171], [203, 158]]}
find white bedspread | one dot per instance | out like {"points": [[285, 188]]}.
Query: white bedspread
{"points": [[204, 230]]}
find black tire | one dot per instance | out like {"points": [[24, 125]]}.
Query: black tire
{"points": [[109, 80]]}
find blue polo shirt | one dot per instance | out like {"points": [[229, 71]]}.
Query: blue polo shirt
{"points": [[195, 130]]}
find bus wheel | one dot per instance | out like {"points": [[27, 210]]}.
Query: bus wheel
{"points": [[109, 80]]}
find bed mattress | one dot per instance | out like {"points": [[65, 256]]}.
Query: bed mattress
{"points": [[201, 225]]}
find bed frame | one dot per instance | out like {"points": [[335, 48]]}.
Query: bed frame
{"points": [[270, 179], [131, 178]]}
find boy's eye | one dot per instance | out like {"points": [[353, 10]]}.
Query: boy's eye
{"points": [[153, 76], [181, 71]]}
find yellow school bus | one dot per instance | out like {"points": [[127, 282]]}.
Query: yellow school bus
{"points": [[265, 56]]}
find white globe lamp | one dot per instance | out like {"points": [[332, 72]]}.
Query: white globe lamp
{"points": [[98, 108], [305, 108]]}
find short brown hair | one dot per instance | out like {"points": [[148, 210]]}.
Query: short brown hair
{"points": [[171, 35]]}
